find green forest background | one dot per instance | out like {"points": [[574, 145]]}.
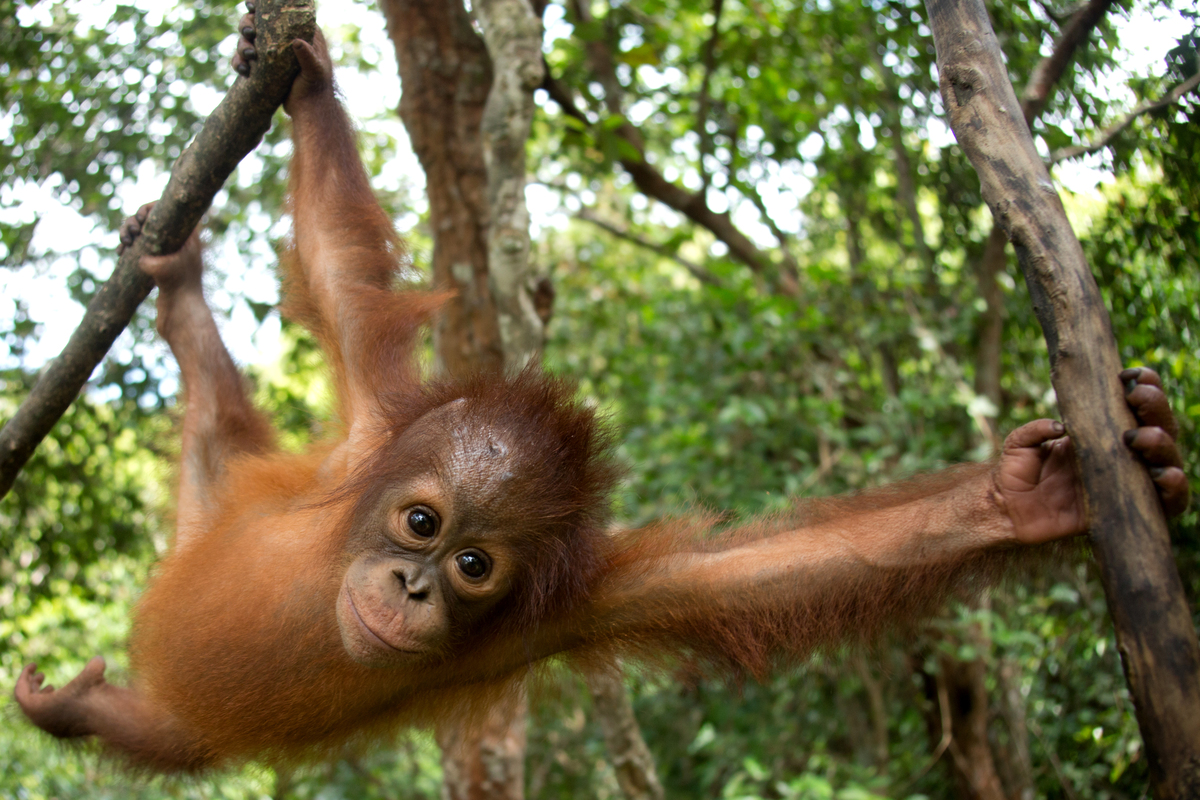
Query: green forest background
{"points": [[853, 354]]}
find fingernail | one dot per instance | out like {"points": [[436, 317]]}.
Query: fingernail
{"points": [[1058, 428], [1129, 436], [1129, 377], [248, 32], [250, 6], [248, 53], [243, 69], [1157, 472]]}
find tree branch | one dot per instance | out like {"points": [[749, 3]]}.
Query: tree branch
{"points": [[1051, 68], [698, 272], [1111, 132], [649, 180], [631, 758], [995, 255], [233, 129], [1129, 534]]}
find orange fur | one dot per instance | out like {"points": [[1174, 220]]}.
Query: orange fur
{"points": [[240, 646]]}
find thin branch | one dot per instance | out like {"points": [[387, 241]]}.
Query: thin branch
{"points": [[791, 269], [649, 180], [561, 94], [1108, 134], [699, 272], [710, 64], [946, 740], [233, 129], [1051, 68]]}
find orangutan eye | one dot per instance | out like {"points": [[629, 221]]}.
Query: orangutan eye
{"points": [[422, 522], [473, 565]]}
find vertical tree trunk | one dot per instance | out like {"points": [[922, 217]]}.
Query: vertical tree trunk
{"points": [[974, 769], [1145, 595], [1019, 766], [486, 760], [877, 711], [991, 328], [631, 758], [468, 107], [513, 35], [447, 76]]}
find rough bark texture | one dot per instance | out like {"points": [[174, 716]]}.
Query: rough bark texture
{"points": [[485, 760], [513, 36], [627, 750], [447, 76], [233, 129], [1033, 101], [469, 130], [1145, 596]]}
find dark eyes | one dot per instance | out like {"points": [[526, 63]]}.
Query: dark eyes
{"points": [[422, 522], [473, 565]]}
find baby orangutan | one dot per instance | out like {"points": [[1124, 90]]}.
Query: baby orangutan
{"points": [[453, 532]]}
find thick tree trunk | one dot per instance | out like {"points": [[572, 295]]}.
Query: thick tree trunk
{"points": [[1154, 628], [447, 76], [513, 36], [447, 80], [234, 128], [468, 107], [457, 122]]}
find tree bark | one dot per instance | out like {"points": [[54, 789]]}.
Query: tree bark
{"points": [[234, 128], [460, 118], [447, 76], [485, 760], [513, 36], [974, 770], [1019, 766], [1033, 101], [631, 758], [1145, 595]]}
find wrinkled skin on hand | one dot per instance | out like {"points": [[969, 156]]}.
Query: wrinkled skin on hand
{"points": [[1038, 487]]}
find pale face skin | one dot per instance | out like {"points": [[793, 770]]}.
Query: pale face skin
{"points": [[438, 560]]}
